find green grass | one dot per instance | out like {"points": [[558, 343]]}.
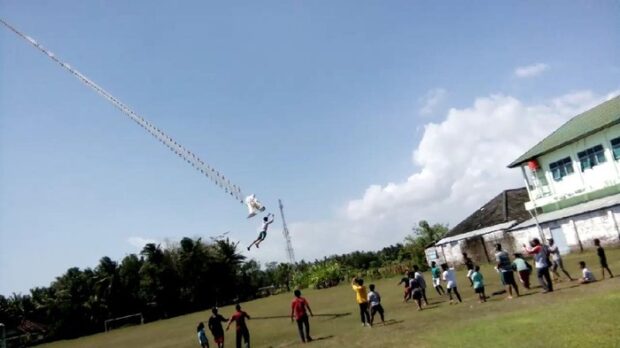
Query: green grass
{"points": [[573, 316]]}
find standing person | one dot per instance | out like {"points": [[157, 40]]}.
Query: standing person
{"points": [[436, 275], [263, 230], [420, 278], [405, 280], [478, 281], [586, 275], [505, 268], [298, 311], [540, 262], [470, 267], [602, 258], [202, 337], [242, 328], [523, 269], [215, 326], [450, 278], [556, 260], [374, 299], [361, 296]]}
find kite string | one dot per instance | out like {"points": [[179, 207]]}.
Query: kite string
{"points": [[218, 178]]}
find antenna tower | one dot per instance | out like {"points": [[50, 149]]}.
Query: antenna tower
{"points": [[289, 247]]}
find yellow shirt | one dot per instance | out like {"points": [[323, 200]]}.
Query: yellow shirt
{"points": [[360, 291]]}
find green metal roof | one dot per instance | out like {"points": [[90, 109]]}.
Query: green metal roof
{"points": [[601, 116]]}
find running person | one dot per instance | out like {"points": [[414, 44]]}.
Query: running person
{"points": [[420, 278], [450, 278], [263, 231], [215, 326], [478, 286], [556, 260], [436, 275], [470, 267], [242, 328], [504, 266], [298, 312], [407, 291]]}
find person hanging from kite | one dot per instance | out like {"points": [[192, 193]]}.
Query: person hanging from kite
{"points": [[263, 230]]}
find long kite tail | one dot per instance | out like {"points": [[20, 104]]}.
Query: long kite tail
{"points": [[191, 158]]}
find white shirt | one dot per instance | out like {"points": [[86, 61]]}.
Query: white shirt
{"points": [[266, 225], [449, 277], [420, 278], [555, 252], [587, 274], [374, 298]]}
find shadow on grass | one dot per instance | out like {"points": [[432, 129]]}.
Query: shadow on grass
{"points": [[333, 316], [433, 306], [567, 287], [321, 338], [329, 315], [389, 322]]}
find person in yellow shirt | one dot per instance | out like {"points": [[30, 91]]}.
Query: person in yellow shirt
{"points": [[361, 296]]}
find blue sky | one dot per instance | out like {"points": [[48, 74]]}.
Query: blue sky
{"points": [[313, 102]]}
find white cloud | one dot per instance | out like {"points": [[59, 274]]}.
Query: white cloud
{"points": [[530, 70], [461, 163], [139, 242], [431, 100]]}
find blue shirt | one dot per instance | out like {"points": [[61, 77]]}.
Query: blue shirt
{"points": [[202, 337], [478, 280]]}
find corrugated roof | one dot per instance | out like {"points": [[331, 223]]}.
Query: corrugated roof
{"points": [[582, 208], [602, 116], [499, 227], [507, 206]]}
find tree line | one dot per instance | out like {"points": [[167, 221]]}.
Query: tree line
{"points": [[189, 276]]}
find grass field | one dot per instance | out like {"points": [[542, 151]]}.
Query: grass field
{"points": [[573, 316]]}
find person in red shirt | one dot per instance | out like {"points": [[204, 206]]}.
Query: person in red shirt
{"points": [[298, 311], [242, 328]]}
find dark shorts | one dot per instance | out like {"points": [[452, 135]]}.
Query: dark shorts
{"points": [[219, 339], [375, 309], [262, 235], [479, 290], [508, 278], [604, 263], [416, 294]]}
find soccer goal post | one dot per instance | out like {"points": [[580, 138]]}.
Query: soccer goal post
{"points": [[127, 320]]}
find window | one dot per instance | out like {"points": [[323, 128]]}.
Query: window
{"points": [[615, 148], [561, 168], [591, 157]]}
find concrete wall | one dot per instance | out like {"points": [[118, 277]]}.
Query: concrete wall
{"points": [[578, 232]]}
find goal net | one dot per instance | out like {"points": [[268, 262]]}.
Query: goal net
{"points": [[128, 320]]}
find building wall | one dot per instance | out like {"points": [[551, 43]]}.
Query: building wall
{"points": [[579, 232], [593, 179]]}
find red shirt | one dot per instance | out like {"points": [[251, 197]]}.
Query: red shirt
{"points": [[239, 319], [299, 307]]}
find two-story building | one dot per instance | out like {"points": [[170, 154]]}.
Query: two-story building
{"points": [[573, 180]]}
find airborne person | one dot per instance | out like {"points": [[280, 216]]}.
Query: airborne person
{"points": [[263, 230]]}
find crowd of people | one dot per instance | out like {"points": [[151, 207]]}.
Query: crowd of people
{"points": [[547, 262]]}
